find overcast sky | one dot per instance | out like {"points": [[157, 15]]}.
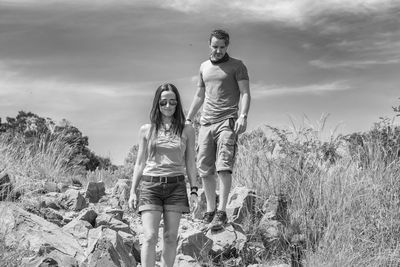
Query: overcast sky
{"points": [[97, 63]]}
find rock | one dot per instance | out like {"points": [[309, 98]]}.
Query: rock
{"points": [[115, 213], [94, 191], [50, 187], [62, 187], [121, 190], [269, 265], [195, 244], [228, 242], [88, 215], [50, 200], [131, 241], [52, 216], [72, 199], [28, 231], [112, 223], [185, 261], [241, 205], [50, 257], [107, 249], [80, 230], [114, 203]]}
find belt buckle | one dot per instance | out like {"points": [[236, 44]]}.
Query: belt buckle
{"points": [[163, 179]]}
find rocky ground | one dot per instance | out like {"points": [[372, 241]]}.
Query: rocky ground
{"points": [[66, 225]]}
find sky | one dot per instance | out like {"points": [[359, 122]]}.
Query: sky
{"points": [[98, 63]]}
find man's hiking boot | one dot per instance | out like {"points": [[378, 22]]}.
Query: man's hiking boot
{"points": [[219, 221], [208, 217]]}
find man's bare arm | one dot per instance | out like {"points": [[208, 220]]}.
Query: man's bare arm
{"points": [[241, 123], [196, 103]]}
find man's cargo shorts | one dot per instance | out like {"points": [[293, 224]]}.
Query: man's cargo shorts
{"points": [[216, 147]]}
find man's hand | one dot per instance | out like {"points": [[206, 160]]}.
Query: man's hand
{"points": [[240, 125], [132, 202]]}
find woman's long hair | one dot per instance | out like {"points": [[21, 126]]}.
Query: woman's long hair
{"points": [[178, 119]]}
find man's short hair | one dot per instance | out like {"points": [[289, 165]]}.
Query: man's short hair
{"points": [[220, 34]]}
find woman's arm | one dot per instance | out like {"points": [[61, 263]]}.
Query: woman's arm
{"points": [[140, 164], [190, 155], [191, 166]]}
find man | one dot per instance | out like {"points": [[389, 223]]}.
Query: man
{"points": [[223, 83]]}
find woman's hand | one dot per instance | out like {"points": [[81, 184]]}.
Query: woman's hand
{"points": [[132, 202], [194, 202]]}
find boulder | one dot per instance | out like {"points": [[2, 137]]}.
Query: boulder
{"points": [[115, 213], [196, 244], [227, 243], [94, 191], [50, 256], [112, 223], [241, 205], [132, 243], [50, 187], [106, 248], [185, 261], [50, 200], [28, 231], [79, 229], [73, 200], [121, 190], [52, 216], [88, 215]]}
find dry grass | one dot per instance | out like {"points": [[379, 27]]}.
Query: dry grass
{"points": [[349, 211], [346, 203], [33, 162]]}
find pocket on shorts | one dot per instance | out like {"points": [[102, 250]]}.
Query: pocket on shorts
{"points": [[228, 151]]}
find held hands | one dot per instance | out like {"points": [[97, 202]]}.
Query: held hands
{"points": [[240, 125]]}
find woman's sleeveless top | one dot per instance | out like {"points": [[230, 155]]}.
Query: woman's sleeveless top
{"points": [[169, 156]]}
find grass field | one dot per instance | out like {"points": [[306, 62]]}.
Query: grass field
{"points": [[344, 197]]}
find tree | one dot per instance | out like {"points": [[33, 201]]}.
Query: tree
{"points": [[33, 127]]}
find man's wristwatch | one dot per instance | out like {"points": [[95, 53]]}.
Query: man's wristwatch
{"points": [[244, 116]]}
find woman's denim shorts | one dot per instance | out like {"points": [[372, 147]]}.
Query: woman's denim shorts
{"points": [[164, 197]]}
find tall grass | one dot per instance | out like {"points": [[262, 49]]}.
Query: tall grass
{"points": [[33, 161], [347, 207]]}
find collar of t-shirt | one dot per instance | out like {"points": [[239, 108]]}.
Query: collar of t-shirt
{"points": [[225, 58]]}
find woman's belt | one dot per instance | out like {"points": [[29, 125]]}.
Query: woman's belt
{"points": [[164, 179]]}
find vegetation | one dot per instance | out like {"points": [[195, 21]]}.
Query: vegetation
{"points": [[31, 128], [343, 192]]}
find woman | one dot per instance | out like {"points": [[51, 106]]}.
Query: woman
{"points": [[166, 152]]}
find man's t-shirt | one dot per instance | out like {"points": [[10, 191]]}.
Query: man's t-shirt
{"points": [[222, 93]]}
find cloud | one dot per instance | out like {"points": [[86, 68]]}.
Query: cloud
{"points": [[63, 96], [295, 13], [292, 12], [361, 64], [262, 90]]}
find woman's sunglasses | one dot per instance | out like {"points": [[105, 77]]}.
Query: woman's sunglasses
{"points": [[172, 102]]}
